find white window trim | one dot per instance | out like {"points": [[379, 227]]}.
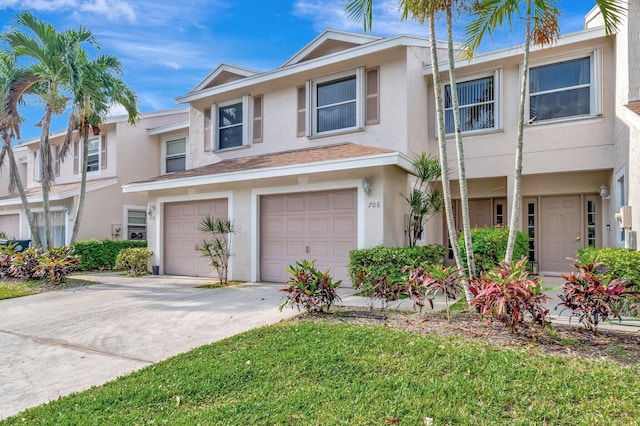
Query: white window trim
{"points": [[312, 120], [67, 219], [99, 139], [169, 138], [246, 122], [497, 75], [596, 74], [125, 219]]}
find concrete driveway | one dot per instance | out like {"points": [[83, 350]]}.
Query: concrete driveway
{"points": [[57, 343]]}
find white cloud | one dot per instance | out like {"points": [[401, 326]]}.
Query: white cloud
{"points": [[331, 14], [112, 9]]}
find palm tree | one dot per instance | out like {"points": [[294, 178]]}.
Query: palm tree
{"points": [[97, 88], [50, 53], [541, 28], [425, 11], [14, 82]]}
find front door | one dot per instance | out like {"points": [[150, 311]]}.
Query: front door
{"points": [[561, 234]]}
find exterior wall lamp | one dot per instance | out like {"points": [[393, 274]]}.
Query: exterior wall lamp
{"points": [[366, 186], [604, 192]]}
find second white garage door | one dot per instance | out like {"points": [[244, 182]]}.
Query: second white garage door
{"points": [[313, 225], [181, 236]]}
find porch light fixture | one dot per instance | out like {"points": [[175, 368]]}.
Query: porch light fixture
{"points": [[151, 212], [604, 192], [366, 186]]}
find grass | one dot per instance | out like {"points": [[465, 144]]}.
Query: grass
{"points": [[12, 289], [220, 285], [305, 373], [9, 290]]}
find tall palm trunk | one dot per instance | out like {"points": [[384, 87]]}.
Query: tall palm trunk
{"points": [[442, 145], [46, 173], [517, 176], [83, 181], [14, 176], [462, 178]]}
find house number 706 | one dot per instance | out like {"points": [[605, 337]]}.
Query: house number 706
{"points": [[374, 205]]}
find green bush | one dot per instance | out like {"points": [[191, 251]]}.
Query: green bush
{"points": [[368, 265], [490, 246], [134, 260], [619, 262], [101, 254]]}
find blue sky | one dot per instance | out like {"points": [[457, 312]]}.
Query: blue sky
{"points": [[168, 47]]}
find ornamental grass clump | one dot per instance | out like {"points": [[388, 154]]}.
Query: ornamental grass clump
{"points": [[309, 287], [509, 294], [592, 295]]}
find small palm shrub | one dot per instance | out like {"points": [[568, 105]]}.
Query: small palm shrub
{"points": [[309, 287], [509, 294], [218, 248], [591, 295], [134, 260]]}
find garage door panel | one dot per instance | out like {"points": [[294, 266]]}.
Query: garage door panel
{"points": [[295, 203], [319, 225], [296, 225], [325, 222], [10, 225], [182, 235], [318, 202]]}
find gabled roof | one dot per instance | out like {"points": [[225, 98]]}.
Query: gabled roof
{"points": [[330, 41], [224, 73], [359, 51], [345, 156], [57, 192]]}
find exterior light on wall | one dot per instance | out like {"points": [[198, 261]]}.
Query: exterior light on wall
{"points": [[366, 186], [151, 212], [604, 192]]}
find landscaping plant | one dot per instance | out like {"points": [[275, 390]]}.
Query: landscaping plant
{"points": [[134, 260], [509, 294], [309, 287], [591, 295], [218, 248], [23, 265], [490, 246], [55, 264], [430, 280], [101, 254]]}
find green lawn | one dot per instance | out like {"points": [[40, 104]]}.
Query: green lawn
{"points": [[310, 373], [9, 290]]}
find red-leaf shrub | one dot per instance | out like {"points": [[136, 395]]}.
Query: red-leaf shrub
{"points": [[591, 295], [431, 280], [310, 288], [509, 294]]}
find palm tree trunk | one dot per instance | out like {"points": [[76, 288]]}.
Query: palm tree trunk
{"points": [[46, 173], [442, 145], [517, 176], [15, 181], [462, 179], [83, 181]]}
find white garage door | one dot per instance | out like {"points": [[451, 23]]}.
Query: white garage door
{"points": [[314, 225], [10, 225], [181, 236]]}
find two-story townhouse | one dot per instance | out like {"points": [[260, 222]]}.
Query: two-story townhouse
{"points": [[569, 148], [309, 160], [118, 153]]}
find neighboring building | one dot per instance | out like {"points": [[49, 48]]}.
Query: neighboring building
{"points": [[309, 160], [119, 154]]}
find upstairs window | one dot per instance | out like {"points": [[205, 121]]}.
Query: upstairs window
{"points": [[336, 102], [477, 101], [230, 125], [176, 155], [93, 163], [564, 89]]}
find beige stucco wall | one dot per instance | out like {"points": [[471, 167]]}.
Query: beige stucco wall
{"points": [[400, 91]]}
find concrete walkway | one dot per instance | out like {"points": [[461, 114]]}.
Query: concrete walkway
{"points": [[56, 343]]}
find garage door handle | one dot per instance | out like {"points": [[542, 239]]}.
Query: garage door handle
{"points": [[307, 249]]}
